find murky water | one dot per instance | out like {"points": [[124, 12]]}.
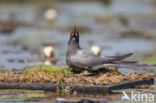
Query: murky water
{"points": [[97, 25]]}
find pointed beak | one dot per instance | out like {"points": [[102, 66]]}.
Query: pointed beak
{"points": [[74, 32]]}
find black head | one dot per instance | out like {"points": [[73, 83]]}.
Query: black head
{"points": [[74, 36], [73, 44]]}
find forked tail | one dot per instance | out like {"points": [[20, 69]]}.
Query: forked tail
{"points": [[116, 58]]}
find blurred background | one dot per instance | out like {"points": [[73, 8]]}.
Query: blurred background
{"points": [[116, 26], [30, 29]]}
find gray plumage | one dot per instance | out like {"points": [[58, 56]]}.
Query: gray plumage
{"points": [[80, 60]]}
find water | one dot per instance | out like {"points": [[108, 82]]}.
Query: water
{"points": [[97, 25], [34, 40]]}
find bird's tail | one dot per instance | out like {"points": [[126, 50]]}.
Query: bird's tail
{"points": [[113, 61], [125, 62], [116, 58]]}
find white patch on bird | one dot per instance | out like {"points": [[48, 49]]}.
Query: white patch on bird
{"points": [[96, 50], [73, 38], [47, 62], [79, 52], [47, 51], [50, 14]]}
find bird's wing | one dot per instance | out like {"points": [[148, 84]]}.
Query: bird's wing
{"points": [[87, 60], [117, 58], [83, 58]]}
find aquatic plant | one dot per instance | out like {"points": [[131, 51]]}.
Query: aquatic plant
{"points": [[150, 60], [60, 75]]}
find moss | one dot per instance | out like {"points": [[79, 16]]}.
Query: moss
{"points": [[49, 69], [44, 73]]}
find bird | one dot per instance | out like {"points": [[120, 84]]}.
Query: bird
{"points": [[48, 53], [50, 15], [96, 50], [80, 60]]}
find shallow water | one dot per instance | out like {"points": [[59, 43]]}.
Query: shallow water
{"points": [[35, 40], [97, 25], [35, 31]]}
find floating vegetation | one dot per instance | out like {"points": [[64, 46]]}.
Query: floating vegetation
{"points": [[55, 75], [150, 60]]}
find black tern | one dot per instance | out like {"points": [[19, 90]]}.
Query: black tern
{"points": [[80, 60]]}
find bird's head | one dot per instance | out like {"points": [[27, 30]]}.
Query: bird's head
{"points": [[74, 36], [73, 43]]}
